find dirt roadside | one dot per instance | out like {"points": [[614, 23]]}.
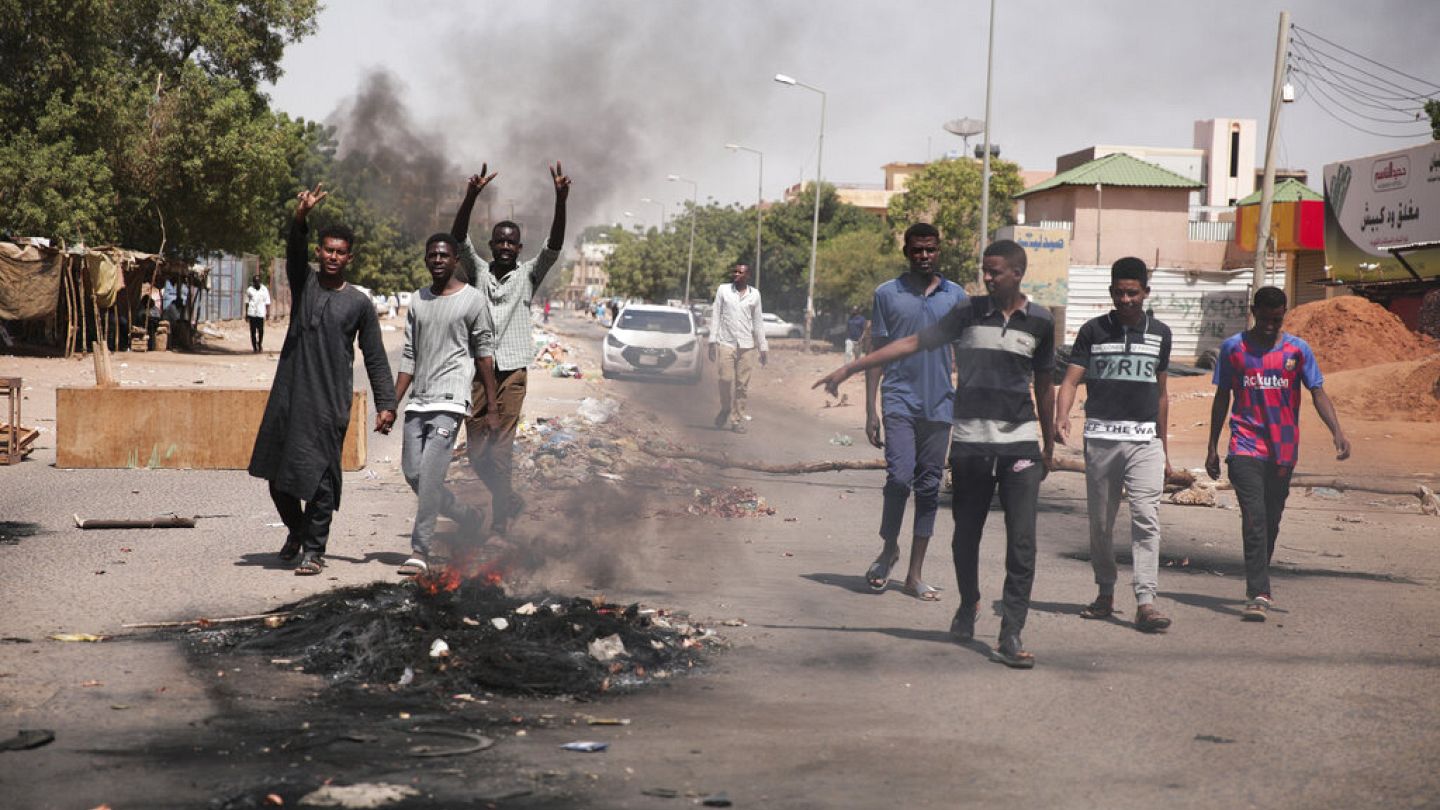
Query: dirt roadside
{"points": [[829, 697]]}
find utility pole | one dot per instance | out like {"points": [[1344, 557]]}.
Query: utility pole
{"points": [[1267, 185], [985, 167]]}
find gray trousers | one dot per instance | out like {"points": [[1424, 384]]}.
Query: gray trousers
{"points": [[1138, 467], [429, 442]]}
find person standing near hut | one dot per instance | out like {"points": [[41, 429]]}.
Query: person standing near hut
{"points": [[257, 306], [303, 430]]}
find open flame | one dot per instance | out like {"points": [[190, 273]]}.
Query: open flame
{"points": [[461, 569]]}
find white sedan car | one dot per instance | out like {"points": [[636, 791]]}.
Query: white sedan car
{"points": [[652, 341], [777, 327]]}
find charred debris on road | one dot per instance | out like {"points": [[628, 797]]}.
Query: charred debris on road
{"points": [[447, 634]]}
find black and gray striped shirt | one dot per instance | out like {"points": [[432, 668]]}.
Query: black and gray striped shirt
{"points": [[997, 359]]}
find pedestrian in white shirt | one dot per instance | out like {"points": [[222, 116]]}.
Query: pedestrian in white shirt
{"points": [[257, 304], [736, 337]]}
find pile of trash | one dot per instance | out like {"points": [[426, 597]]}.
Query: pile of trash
{"points": [[730, 502], [551, 354], [470, 638], [568, 451]]}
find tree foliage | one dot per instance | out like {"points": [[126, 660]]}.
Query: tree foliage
{"points": [[947, 195], [139, 122]]}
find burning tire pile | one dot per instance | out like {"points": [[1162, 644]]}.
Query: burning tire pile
{"points": [[450, 635]]}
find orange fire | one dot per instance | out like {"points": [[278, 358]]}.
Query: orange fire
{"points": [[461, 569]]}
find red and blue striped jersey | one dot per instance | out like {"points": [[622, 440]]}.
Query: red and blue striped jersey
{"points": [[1265, 387]]}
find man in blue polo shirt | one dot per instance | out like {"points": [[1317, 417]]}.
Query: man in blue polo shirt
{"points": [[1001, 439], [917, 396]]}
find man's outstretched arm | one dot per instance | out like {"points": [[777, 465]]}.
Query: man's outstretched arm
{"points": [[892, 351], [562, 193], [460, 228]]}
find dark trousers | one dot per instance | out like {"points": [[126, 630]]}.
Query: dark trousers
{"points": [[914, 461], [1261, 487], [310, 522], [257, 331], [491, 452], [975, 479]]}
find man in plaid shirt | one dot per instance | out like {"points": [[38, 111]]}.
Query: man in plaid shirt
{"points": [[1264, 369], [509, 284]]}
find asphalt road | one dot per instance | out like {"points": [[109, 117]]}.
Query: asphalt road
{"points": [[829, 696]]}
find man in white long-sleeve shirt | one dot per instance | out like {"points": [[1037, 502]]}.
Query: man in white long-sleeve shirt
{"points": [[737, 335]]}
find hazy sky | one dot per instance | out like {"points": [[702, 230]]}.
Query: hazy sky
{"points": [[626, 92]]}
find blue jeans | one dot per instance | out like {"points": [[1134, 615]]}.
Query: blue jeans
{"points": [[914, 461], [424, 460], [975, 480]]}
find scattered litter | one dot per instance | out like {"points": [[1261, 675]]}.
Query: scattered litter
{"points": [[734, 622], [716, 800], [527, 609], [841, 440], [607, 721], [1329, 493], [439, 649], [27, 739], [585, 746], [500, 623], [407, 677], [360, 796], [661, 793], [607, 649], [91, 683], [274, 800], [729, 503], [1349, 519], [77, 637], [598, 411]]}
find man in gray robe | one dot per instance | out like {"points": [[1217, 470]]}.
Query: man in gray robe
{"points": [[298, 447]]}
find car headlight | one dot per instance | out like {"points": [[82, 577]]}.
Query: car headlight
{"points": [[611, 341], [687, 346]]}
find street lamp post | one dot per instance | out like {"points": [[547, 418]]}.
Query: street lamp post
{"points": [[759, 198], [985, 168], [815, 225], [661, 204], [694, 212]]}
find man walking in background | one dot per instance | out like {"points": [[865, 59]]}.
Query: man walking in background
{"points": [[510, 285], [854, 333], [1263, 369], [257, 305], [917, 396], [1122, 358], [303, 430], [737, 336], [449, 344]]}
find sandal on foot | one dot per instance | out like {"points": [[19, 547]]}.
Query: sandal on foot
{"points": [[925, 592], [1101, 608], [310, 565], [291, 549], [877, 576], [1012, 655], [1150, 620], [413, 567]]}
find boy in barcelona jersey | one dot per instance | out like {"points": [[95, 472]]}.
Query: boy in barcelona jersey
{"points": [[1263, 370]]}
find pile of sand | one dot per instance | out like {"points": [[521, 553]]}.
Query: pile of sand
{"points": [[1408, 392], [1351, 332]]}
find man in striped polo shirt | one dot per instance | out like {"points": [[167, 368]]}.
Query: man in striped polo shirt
{"points": [[1122, 357], [449, 343], [1264, 369], [1004, 346], [509, 284]]}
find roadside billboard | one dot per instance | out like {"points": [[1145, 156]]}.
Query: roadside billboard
{"points": [[1047, 260], [1377, 203]]}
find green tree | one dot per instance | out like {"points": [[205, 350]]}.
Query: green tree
{"points": [[139, 122], [855, 262], [1432, 109], [946, 194]]}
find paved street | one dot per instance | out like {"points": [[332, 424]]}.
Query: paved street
{"points": [[828, 696]]}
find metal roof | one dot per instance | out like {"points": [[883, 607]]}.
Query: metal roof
{"points": [[1289, 190], [1118, 169]]}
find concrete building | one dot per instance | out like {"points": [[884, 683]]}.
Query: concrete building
{"points": [[1117, 206], [1229, 170], [588, 278]]}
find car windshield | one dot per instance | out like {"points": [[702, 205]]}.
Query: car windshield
{"points": [[643, 320]]}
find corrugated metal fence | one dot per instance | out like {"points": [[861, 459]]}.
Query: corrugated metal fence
{"points": [[1201, 307], [225, 298]]}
